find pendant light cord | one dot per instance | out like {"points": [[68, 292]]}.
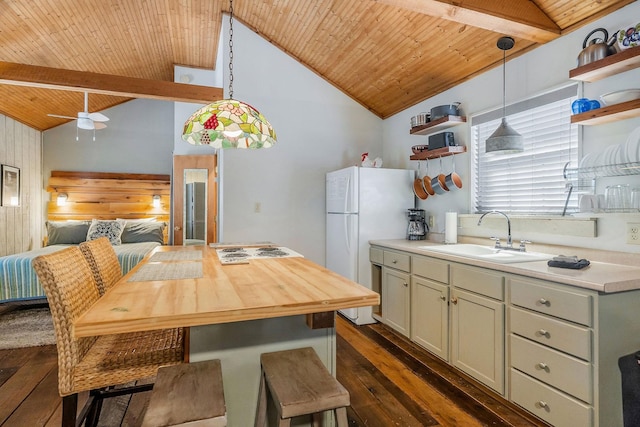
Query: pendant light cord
{"points": [[230, 49], [504, 83]]}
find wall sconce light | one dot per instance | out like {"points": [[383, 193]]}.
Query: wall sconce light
{"points": [[62, 199], [156, 201]]}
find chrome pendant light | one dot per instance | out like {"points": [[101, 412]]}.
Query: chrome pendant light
{"points": [[504, 139], [229, 123]]}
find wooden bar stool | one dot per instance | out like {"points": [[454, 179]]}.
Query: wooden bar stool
{"points": [[300, 385], [190, 394]]}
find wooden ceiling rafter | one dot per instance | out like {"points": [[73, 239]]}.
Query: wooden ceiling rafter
{"points": [[517, 18], [106, 84]]}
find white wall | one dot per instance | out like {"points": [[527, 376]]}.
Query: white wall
{"points": [[21, 226], [138, 139], [536, 72], [319, 129]]}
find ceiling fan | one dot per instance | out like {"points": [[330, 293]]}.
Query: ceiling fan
{"points": [[86, 120]]}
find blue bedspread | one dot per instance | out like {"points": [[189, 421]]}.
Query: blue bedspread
{"points": [[18, 279]]}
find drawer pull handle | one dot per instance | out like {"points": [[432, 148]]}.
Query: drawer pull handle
{"points": [[405, 284], [544, 301], [543, 366], [395, 261], [454, 300], [543, 404], [544, 333], [443, 298]]}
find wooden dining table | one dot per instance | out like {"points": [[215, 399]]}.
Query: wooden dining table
{"points": [[235, 311]]}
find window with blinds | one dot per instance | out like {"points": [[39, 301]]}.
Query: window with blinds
{"points": [[530, 182]]}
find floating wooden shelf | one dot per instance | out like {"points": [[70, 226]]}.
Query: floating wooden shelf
{"points": [[439, 152], [610, 113], [438, 125], [614, 64]]}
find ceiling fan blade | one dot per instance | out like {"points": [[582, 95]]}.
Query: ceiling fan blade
{"points": [[62, 117], [98, 117], [99, 125], [87, 124]]}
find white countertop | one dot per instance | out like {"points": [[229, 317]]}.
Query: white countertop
{"points": [[599, 276]]}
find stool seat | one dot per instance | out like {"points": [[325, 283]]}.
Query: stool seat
{"points": [[188, 394], [300, 384]]}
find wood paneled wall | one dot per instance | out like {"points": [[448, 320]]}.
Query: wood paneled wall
{"points": [[107, 195], [21, 228]]}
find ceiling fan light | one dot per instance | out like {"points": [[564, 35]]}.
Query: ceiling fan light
{"points": [[85, 123]]}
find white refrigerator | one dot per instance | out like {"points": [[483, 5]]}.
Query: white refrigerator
{"points": [[364, 204]]}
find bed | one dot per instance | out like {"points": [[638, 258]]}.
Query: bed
{"points": [[120, 206], [18, 280]]}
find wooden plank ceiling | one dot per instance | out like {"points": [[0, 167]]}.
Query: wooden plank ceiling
{"points": [[385, 54]]}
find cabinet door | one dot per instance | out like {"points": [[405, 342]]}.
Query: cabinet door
{"points": [[430, 316], [477, 337], [395, 299]]}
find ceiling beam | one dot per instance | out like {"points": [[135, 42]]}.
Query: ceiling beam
{"points": [[81, 81], [516, 18]]}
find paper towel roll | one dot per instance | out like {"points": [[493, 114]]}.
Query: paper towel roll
{"points": [[451, 227]]}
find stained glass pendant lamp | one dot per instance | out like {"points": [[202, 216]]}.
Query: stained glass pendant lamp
{"points": [[504, 139], [229, 123]]}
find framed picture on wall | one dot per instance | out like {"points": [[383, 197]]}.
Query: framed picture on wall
{"points": [[10, 186]]}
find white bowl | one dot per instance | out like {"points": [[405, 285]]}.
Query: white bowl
{"points": [[620, 96]]}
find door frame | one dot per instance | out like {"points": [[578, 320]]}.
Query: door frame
{"points": [[200, 161]]}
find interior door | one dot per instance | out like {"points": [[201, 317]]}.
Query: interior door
{"points": [[183, 167]]}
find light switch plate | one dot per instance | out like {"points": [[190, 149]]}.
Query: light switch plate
{"points": [[633, 233]]}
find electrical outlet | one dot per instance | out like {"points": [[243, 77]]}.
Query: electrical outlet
{"points": [[258, 207], [633, 233], [431, 222]]}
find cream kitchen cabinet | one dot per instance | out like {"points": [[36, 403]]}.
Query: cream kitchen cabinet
{"points": [[564, 345], [430, 304], [477, 324], [396, 293]]}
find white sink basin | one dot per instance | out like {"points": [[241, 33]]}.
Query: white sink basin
{"points": [[488, 253]]}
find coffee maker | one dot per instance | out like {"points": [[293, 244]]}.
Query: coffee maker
{"points": [[417, 228]]}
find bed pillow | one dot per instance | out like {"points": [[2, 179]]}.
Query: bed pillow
{"points": [[143, 231], [66, 232], [111, 229]]}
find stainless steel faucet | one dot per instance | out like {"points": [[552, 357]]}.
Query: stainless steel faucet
{"points": [[509, 241]]}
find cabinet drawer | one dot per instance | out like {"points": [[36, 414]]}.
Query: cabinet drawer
{"points": [[551, 405], [572, 339], [430, 268], [567, 373], [562, 303], [376, 255], [397, 260], [479, 280]]}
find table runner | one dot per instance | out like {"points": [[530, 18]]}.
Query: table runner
{"points": [[176, 256], [167, 271]]}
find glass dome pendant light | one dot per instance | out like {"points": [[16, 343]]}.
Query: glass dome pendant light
{"points": [[505, 139], [229, 123]]}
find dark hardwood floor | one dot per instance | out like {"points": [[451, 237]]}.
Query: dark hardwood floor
{"points": [[392, 382]]}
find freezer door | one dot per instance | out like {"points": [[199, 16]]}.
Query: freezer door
{"points": [[341, 189]]}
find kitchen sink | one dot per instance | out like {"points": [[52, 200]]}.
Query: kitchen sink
{"points": [[488, 253]]}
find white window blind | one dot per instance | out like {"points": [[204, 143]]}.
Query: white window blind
{"points": [[530, 182]]}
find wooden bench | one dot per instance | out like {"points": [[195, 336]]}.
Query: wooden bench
{"points": [[300, 385], [188, 394]]}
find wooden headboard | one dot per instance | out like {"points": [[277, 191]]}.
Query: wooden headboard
{"points": [[106, 195]]}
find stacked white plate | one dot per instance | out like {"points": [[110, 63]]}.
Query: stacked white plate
{"points": [[610, 160]]}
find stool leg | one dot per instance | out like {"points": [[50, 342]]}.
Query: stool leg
{"points": [[284, 422], [261, 410], [341, 417]]}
